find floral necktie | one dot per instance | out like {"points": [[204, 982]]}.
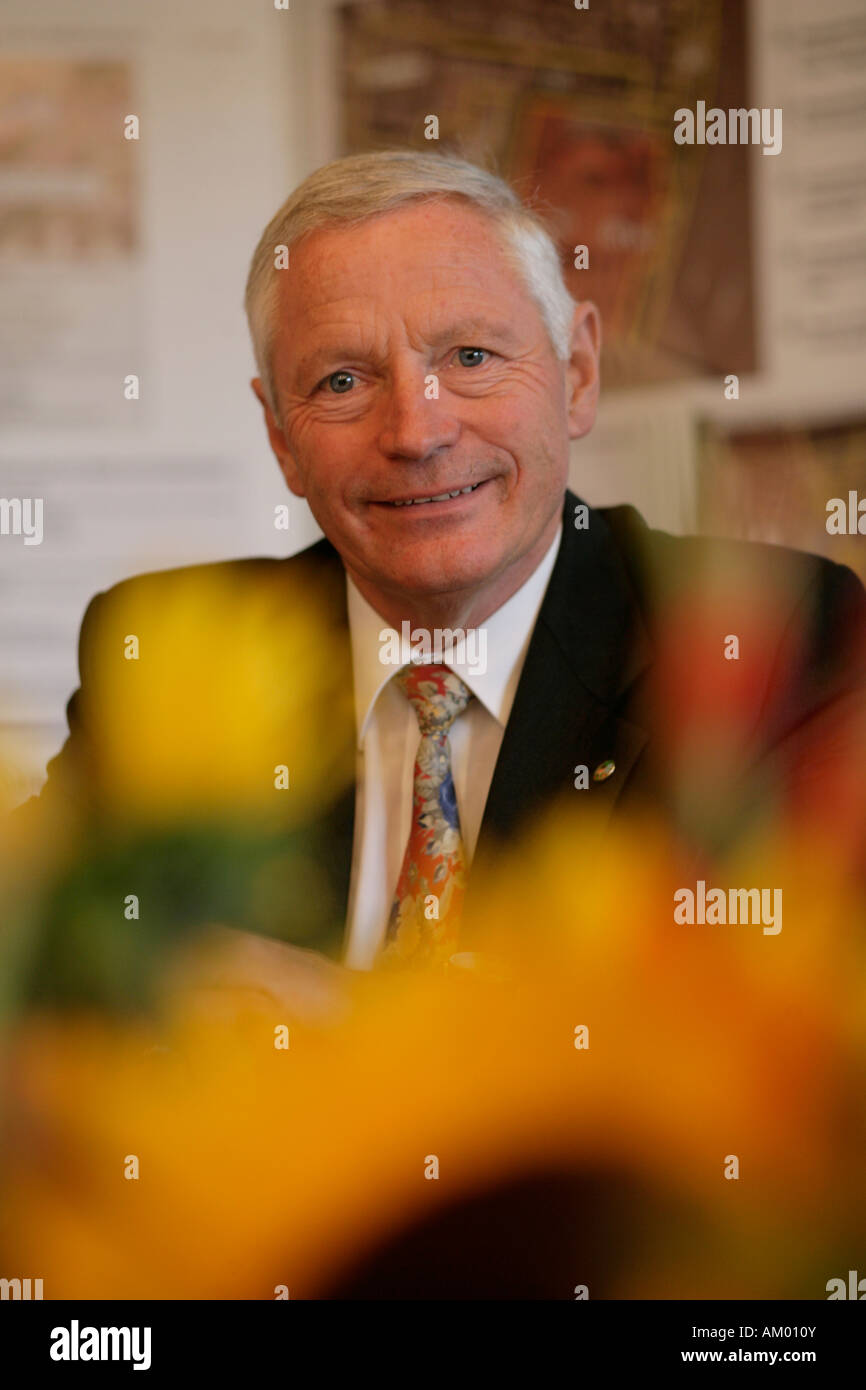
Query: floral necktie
{"points": [[425, 914]]}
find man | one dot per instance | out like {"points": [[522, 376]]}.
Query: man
{"points": [[422, 371]]}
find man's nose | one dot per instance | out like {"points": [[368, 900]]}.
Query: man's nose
{"points": [[415, 421]]}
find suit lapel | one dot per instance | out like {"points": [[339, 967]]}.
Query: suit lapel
{"points": [[588, 648]]}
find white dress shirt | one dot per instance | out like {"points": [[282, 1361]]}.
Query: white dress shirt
{"points": [[388, 737]]}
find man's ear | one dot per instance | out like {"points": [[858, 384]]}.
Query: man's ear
{"points": [[277, 438], [582, 369]]}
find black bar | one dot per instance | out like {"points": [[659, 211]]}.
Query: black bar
{"points": [[224, 1337]]}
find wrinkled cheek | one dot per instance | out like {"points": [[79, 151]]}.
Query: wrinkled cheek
{"points": [[338, 509], [531, 435], [305, 440]]}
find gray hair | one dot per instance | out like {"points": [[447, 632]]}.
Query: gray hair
{"points": [[361, 186]]}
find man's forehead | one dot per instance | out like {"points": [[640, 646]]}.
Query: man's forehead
{"points": [[416, 247], [345, 284]]}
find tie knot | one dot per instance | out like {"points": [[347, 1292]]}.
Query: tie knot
{"points": [[436, 695]]}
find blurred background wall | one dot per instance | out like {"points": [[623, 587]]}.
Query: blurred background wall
{"points": [[123, 258]]}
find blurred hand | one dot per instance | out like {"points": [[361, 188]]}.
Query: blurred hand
{"points": [[229, 973]]}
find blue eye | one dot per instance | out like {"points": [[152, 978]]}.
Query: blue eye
{"points": [[340, 382], [474, 354]]}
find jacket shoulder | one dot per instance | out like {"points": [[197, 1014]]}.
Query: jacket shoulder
{"points": [[806, 606], [679, 561], [161, 592], [250, 570]]}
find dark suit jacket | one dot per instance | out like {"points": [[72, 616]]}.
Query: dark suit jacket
{"points": [[626, 665]]}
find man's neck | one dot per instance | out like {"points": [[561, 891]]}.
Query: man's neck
{"points": [[468, 608]]}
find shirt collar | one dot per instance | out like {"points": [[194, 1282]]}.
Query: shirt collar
{"points": [[507, 635]]}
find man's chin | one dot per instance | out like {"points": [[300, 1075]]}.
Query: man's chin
{"points": [[418, 581], [434, 584]]}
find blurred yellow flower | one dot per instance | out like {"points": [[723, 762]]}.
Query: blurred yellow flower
{"points": [[263, 1165], [203, 692]]}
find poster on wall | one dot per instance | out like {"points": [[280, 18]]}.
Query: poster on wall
{"points": [[799, 485], [69, 242], [577, 110]]}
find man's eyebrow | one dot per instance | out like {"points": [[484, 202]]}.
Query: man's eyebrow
{"points": [[472, 331]]}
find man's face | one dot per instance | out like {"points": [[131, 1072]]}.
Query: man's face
{"points": [[373, 322]]}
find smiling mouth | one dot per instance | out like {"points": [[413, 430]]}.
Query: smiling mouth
{"points": [[435, 497]]}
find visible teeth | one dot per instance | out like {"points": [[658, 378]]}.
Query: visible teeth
{"points": [[440, 497]]}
